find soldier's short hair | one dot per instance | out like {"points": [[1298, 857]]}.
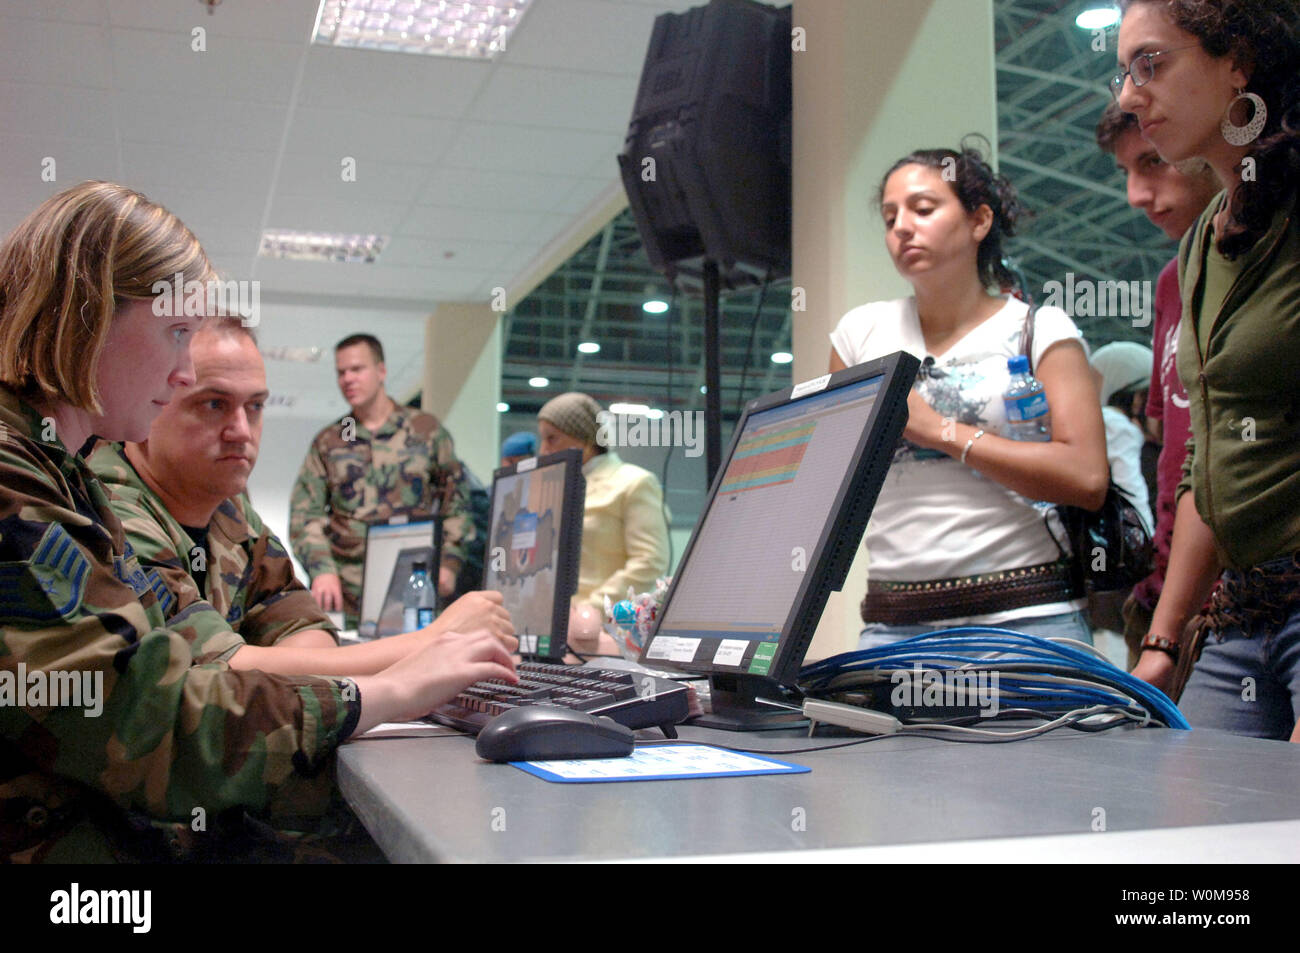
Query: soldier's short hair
{"points": [[369, 340], [65, 272], [226, 326]]}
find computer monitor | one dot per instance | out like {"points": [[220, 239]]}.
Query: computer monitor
{"points": [[784, 516], [534, 546], [392, 550]]}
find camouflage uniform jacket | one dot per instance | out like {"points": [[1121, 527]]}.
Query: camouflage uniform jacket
{"points": [[250, 579], [352, 478], [180, 735]]}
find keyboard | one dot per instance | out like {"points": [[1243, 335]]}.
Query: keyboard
{"points": [[632, 699]]}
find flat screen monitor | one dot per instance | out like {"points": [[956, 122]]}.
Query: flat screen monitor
{"points": [[392, 550], [534, 546], [784, 517]]}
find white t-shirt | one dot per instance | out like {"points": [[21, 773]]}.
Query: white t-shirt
{"points": [[1124, 442], [937, 518]]}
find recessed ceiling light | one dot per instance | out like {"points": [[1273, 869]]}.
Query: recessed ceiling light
{"points": [[703, 389], [589, 347], [782, 357], [538, 382], [502, 407], [477, 29], [321, 246], [655, 306], [1097, 18]]}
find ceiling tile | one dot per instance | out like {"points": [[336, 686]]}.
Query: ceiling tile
{"points": [[289, 21], [502, 191], [81, 11], [318, 213], [402, 83], [562, 99], [429, 221], [368, 134], [177, 115], [49, 51], [529, 148], [62, 111], [583, 34], [322, 176], [249, 70]]}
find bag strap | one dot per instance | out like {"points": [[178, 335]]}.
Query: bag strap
{"points": [[1027, 335]]}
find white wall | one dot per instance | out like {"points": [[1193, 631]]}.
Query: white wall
{"points": [[878, 79]]}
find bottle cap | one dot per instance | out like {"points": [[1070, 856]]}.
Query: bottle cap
{"points": [[1018, 364]]}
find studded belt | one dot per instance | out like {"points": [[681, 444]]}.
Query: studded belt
{"points": [[912, 603]]}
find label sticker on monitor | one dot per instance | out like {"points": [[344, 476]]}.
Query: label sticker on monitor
{"points": [[523, 466], [673, 648], [730, 652], [761, 663], [528, 644], [810, 387]]}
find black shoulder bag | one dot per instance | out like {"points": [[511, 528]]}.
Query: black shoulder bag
{"points": [[1112, 548]]}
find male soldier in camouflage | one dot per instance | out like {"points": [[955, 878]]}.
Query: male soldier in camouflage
{"points": [[190, 737], [380, 461], [180, 497]]}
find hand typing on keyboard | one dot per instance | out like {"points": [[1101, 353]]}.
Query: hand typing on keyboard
{"points": [[479, 610], [432, 675]]}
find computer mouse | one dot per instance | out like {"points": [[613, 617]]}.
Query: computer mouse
{"points": [[551, 733]]}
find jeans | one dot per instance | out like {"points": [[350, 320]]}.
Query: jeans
{"points": [[1247, 685], [1071, 625]]}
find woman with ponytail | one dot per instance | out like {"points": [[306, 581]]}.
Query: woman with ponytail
{"points": [[955, 537]]}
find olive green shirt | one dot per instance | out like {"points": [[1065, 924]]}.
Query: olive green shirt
{"points": [[1239, 358]]}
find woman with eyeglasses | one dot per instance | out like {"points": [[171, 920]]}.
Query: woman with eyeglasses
{"points": [[131, 722], [1219, 80], [954, 537]]}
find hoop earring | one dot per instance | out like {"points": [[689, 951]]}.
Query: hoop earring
{"points": [[1244, 135]]}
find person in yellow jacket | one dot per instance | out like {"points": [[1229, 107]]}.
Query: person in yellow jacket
{"points": [[625, 524]]}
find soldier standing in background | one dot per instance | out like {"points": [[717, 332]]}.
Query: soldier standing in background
{"points": [[381, 461]]}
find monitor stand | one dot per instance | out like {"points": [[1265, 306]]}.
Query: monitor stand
{"points": [[737, 705]]}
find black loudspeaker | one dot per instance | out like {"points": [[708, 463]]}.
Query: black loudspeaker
{"points": [[706, 162]]}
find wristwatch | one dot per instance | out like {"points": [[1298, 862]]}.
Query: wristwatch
{"points": [[1161, 644]]}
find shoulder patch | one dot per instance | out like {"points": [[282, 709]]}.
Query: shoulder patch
{"points": [[47, 587]]}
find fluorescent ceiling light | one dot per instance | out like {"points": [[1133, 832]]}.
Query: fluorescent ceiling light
{"points": [[321, 246], [538, 382], [476, 29], [589, 347], [655, 306], [1097, 18], [502, 407], [782, 357], [638, 410]]}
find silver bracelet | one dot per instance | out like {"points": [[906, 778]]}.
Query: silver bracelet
{"points": [[970, 443]]}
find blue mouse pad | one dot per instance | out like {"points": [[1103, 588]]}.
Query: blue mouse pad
{"points": [[660, 763]]}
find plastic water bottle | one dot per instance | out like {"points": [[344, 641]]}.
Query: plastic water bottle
{"points": [[1028, 416], [417, 600]]}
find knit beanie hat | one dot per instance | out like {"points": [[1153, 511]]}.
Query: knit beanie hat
{"points": [[574, 414]]}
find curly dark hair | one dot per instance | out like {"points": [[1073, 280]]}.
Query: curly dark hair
{"points": [[1262, 37], [1112, 125], [975, 184]]}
